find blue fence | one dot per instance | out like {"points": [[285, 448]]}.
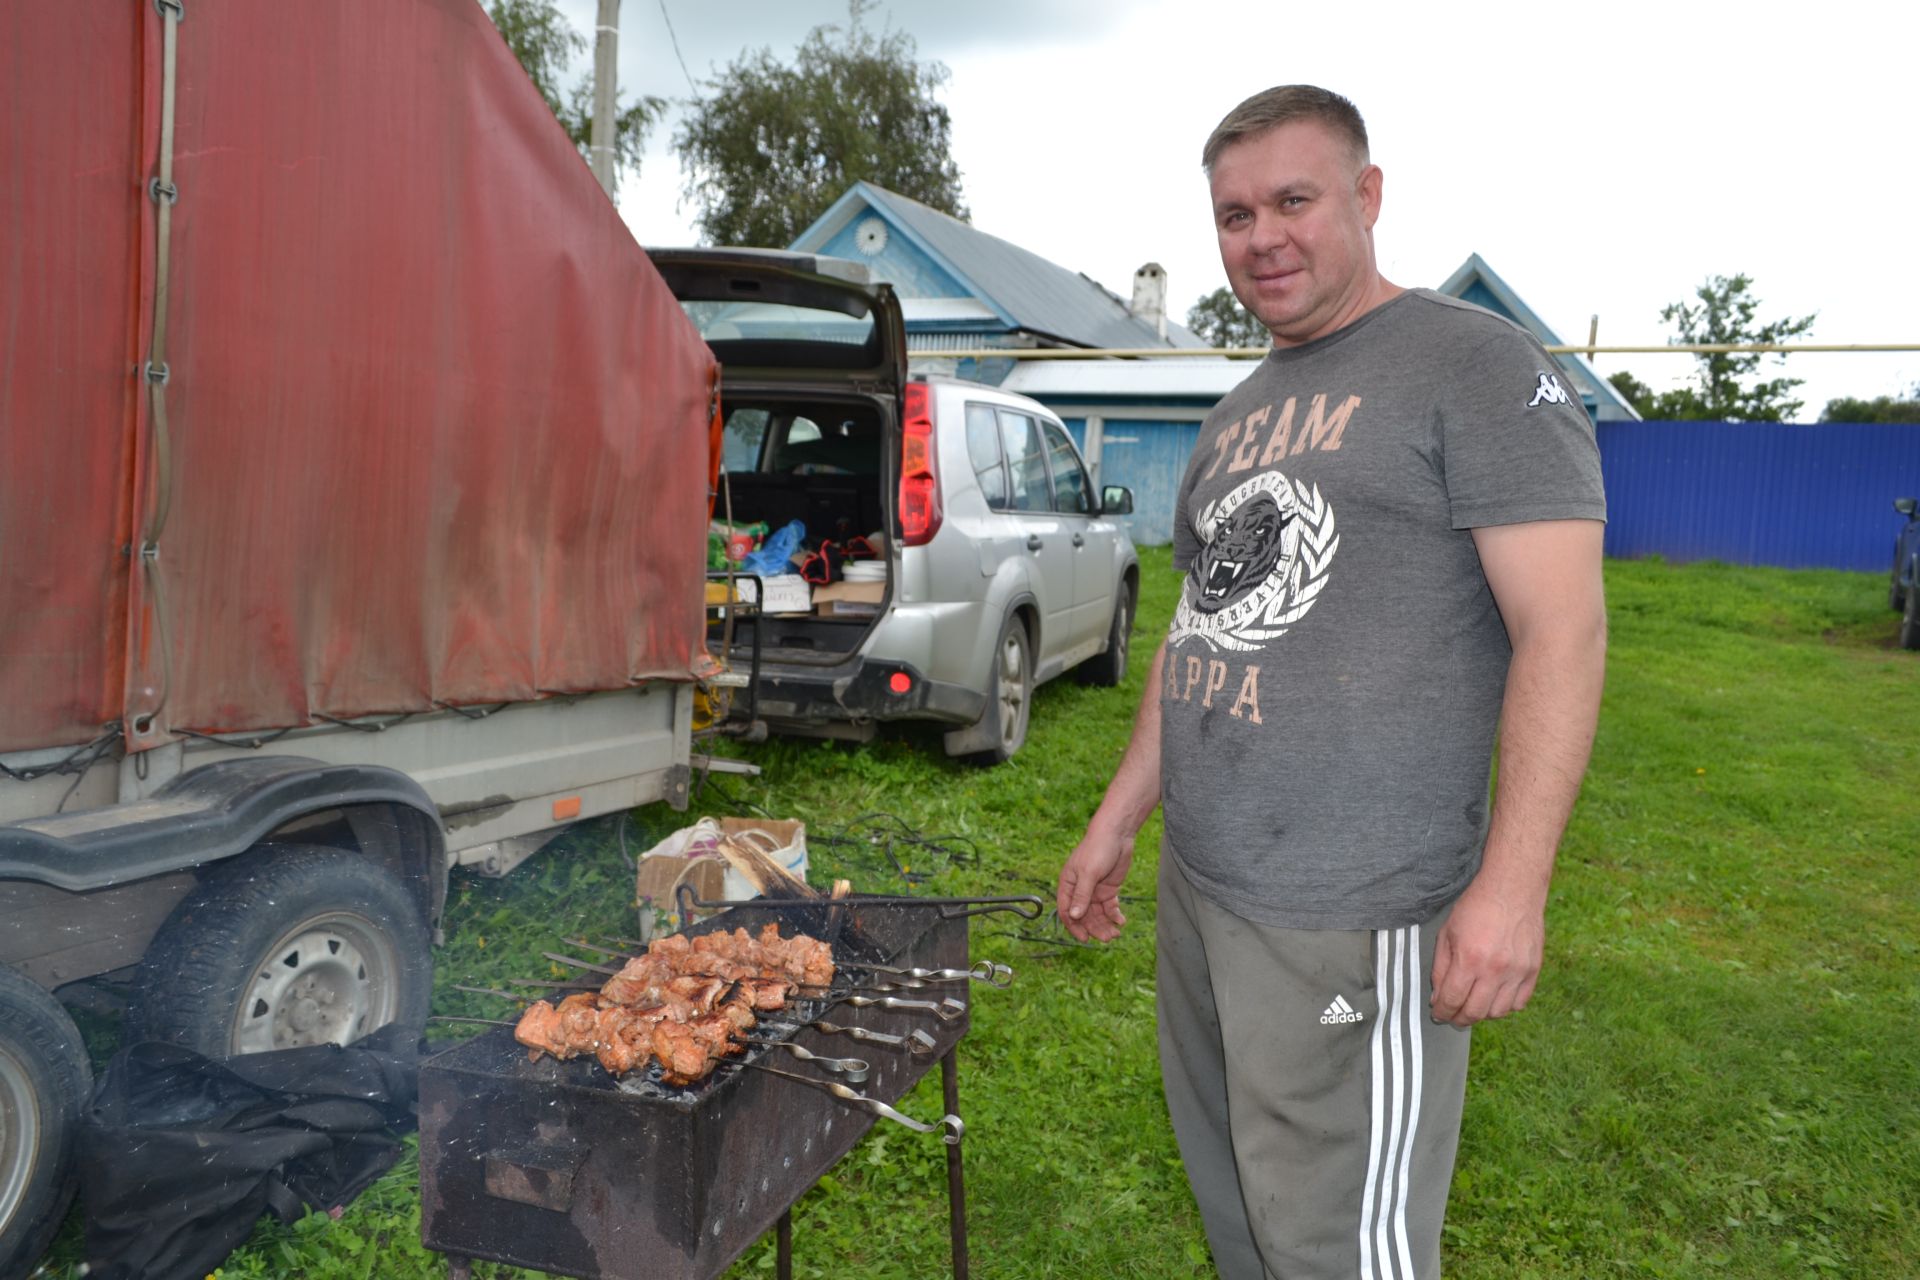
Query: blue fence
{"points": [[1758, 492], [1817, 496]]}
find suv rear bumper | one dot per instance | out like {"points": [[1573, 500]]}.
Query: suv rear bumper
{"points": [[860, 689]]}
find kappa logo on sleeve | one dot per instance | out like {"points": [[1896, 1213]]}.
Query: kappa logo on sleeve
{"points": [[1549, 392]]}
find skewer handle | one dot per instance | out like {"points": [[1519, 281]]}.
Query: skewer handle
{"points": [[950, 1127], [920, 1044], [854, 1069], [987, 971], [947, 1010]]}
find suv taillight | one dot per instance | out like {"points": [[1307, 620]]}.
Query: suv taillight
{"points": [[919, 504]]}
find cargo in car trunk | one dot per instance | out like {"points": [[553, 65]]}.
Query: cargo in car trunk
{"points": [[820, 460]]}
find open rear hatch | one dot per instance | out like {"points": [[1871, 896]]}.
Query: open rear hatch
{"points": [[813, 358]]}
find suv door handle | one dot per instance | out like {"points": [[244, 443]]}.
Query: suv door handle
{"points": [[1033, 542], [1079, 541]]}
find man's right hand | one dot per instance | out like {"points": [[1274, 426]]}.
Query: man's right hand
{"points": [[1089, 892]]}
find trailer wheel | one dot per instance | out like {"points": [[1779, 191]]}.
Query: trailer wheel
{"points": [[44, 1082], [288, 946]]}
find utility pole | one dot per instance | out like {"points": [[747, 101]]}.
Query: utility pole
{"points": [[606, 85]]}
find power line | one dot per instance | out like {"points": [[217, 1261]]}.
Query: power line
{"points": [[1580, 349], [691, 88]]}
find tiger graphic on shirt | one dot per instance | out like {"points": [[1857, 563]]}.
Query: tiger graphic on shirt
{"points": [[1266, 555]]}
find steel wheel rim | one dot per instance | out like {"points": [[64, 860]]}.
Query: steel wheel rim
{"points": [[19, 1134], [328, 980], [1013, 690], [1122, 633]]}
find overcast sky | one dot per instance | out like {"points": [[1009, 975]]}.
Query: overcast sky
{"points": [[1602, 158]]}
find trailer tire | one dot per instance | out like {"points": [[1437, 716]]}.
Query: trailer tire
{"points": [[286, 946], [45, 1080]]}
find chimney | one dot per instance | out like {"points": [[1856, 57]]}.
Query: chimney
{"points": [[1150, 297]]}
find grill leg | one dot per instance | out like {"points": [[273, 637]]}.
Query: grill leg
{"points": [[783, 1246], [459, 1268], [956, 1176]]}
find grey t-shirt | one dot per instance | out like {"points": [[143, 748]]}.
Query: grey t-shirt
{"points": [[1336, 664]]}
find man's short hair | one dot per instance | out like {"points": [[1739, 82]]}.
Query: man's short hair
{"points": [[1285, 104]]}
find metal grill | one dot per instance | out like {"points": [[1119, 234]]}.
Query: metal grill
{"points": [[559, 1167]]}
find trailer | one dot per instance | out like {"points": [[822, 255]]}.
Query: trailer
{"points": [[354, 465]]}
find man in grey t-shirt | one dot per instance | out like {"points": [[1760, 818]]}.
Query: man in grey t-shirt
{"points": [[1391, 535]]}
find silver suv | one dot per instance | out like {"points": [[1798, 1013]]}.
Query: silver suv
{"points": [[1002, 568]]}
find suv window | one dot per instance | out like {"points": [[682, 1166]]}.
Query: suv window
{"points": [[1026, 462], [827, 446], [983, 450], [740, 441], [1071, 492]]}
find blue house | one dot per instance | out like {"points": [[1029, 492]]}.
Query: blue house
{"points": [[962, 289]]}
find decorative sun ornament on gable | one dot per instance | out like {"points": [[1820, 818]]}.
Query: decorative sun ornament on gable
{"points": [[870, 237]]}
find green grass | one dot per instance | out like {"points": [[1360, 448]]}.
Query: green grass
{"points": [[1717, 1077]]}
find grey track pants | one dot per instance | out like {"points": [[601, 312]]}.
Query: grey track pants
{"points": [[1316, 1102]]}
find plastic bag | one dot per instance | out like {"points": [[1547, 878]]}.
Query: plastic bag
{"points": [[775, 555]]}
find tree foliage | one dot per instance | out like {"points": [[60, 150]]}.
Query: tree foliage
{"points": [[773, 145], [545, 43], [1879, 409], [1659, 406], [1723, 311], [1221, 321]]}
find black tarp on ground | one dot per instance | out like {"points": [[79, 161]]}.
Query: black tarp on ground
{"points": [[181, 1154]]}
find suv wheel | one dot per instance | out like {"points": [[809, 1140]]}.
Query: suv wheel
{"points": [[1910, 619], [1010, 700], [1110, 668]]}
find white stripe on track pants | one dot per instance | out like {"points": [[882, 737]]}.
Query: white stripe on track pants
{"points": [[1316, 1102]]}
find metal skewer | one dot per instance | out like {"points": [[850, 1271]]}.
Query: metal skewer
{"points": [[920, 1044], [987, 971], [947, 1010], [950, 1127], [854, 1069], [577, 963]]}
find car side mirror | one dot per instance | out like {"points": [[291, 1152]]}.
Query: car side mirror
{"points": [[1117, 500], [1903, 505]]}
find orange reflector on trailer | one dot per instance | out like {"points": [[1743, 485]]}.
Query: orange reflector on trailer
{"points": [[567, 808]]}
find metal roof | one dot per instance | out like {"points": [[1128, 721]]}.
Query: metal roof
{"points": [[1037, 295]]}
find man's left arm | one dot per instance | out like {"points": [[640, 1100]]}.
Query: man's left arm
{"points": [[1545, 577]]}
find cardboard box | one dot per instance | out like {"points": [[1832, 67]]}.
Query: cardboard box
{"points": [[788, 593], [849, 599]]}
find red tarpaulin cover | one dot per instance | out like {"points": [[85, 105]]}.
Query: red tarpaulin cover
{"points": [[439, 431]]}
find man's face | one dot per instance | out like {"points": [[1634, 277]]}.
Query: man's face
{"points": [[1294, 209]]}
